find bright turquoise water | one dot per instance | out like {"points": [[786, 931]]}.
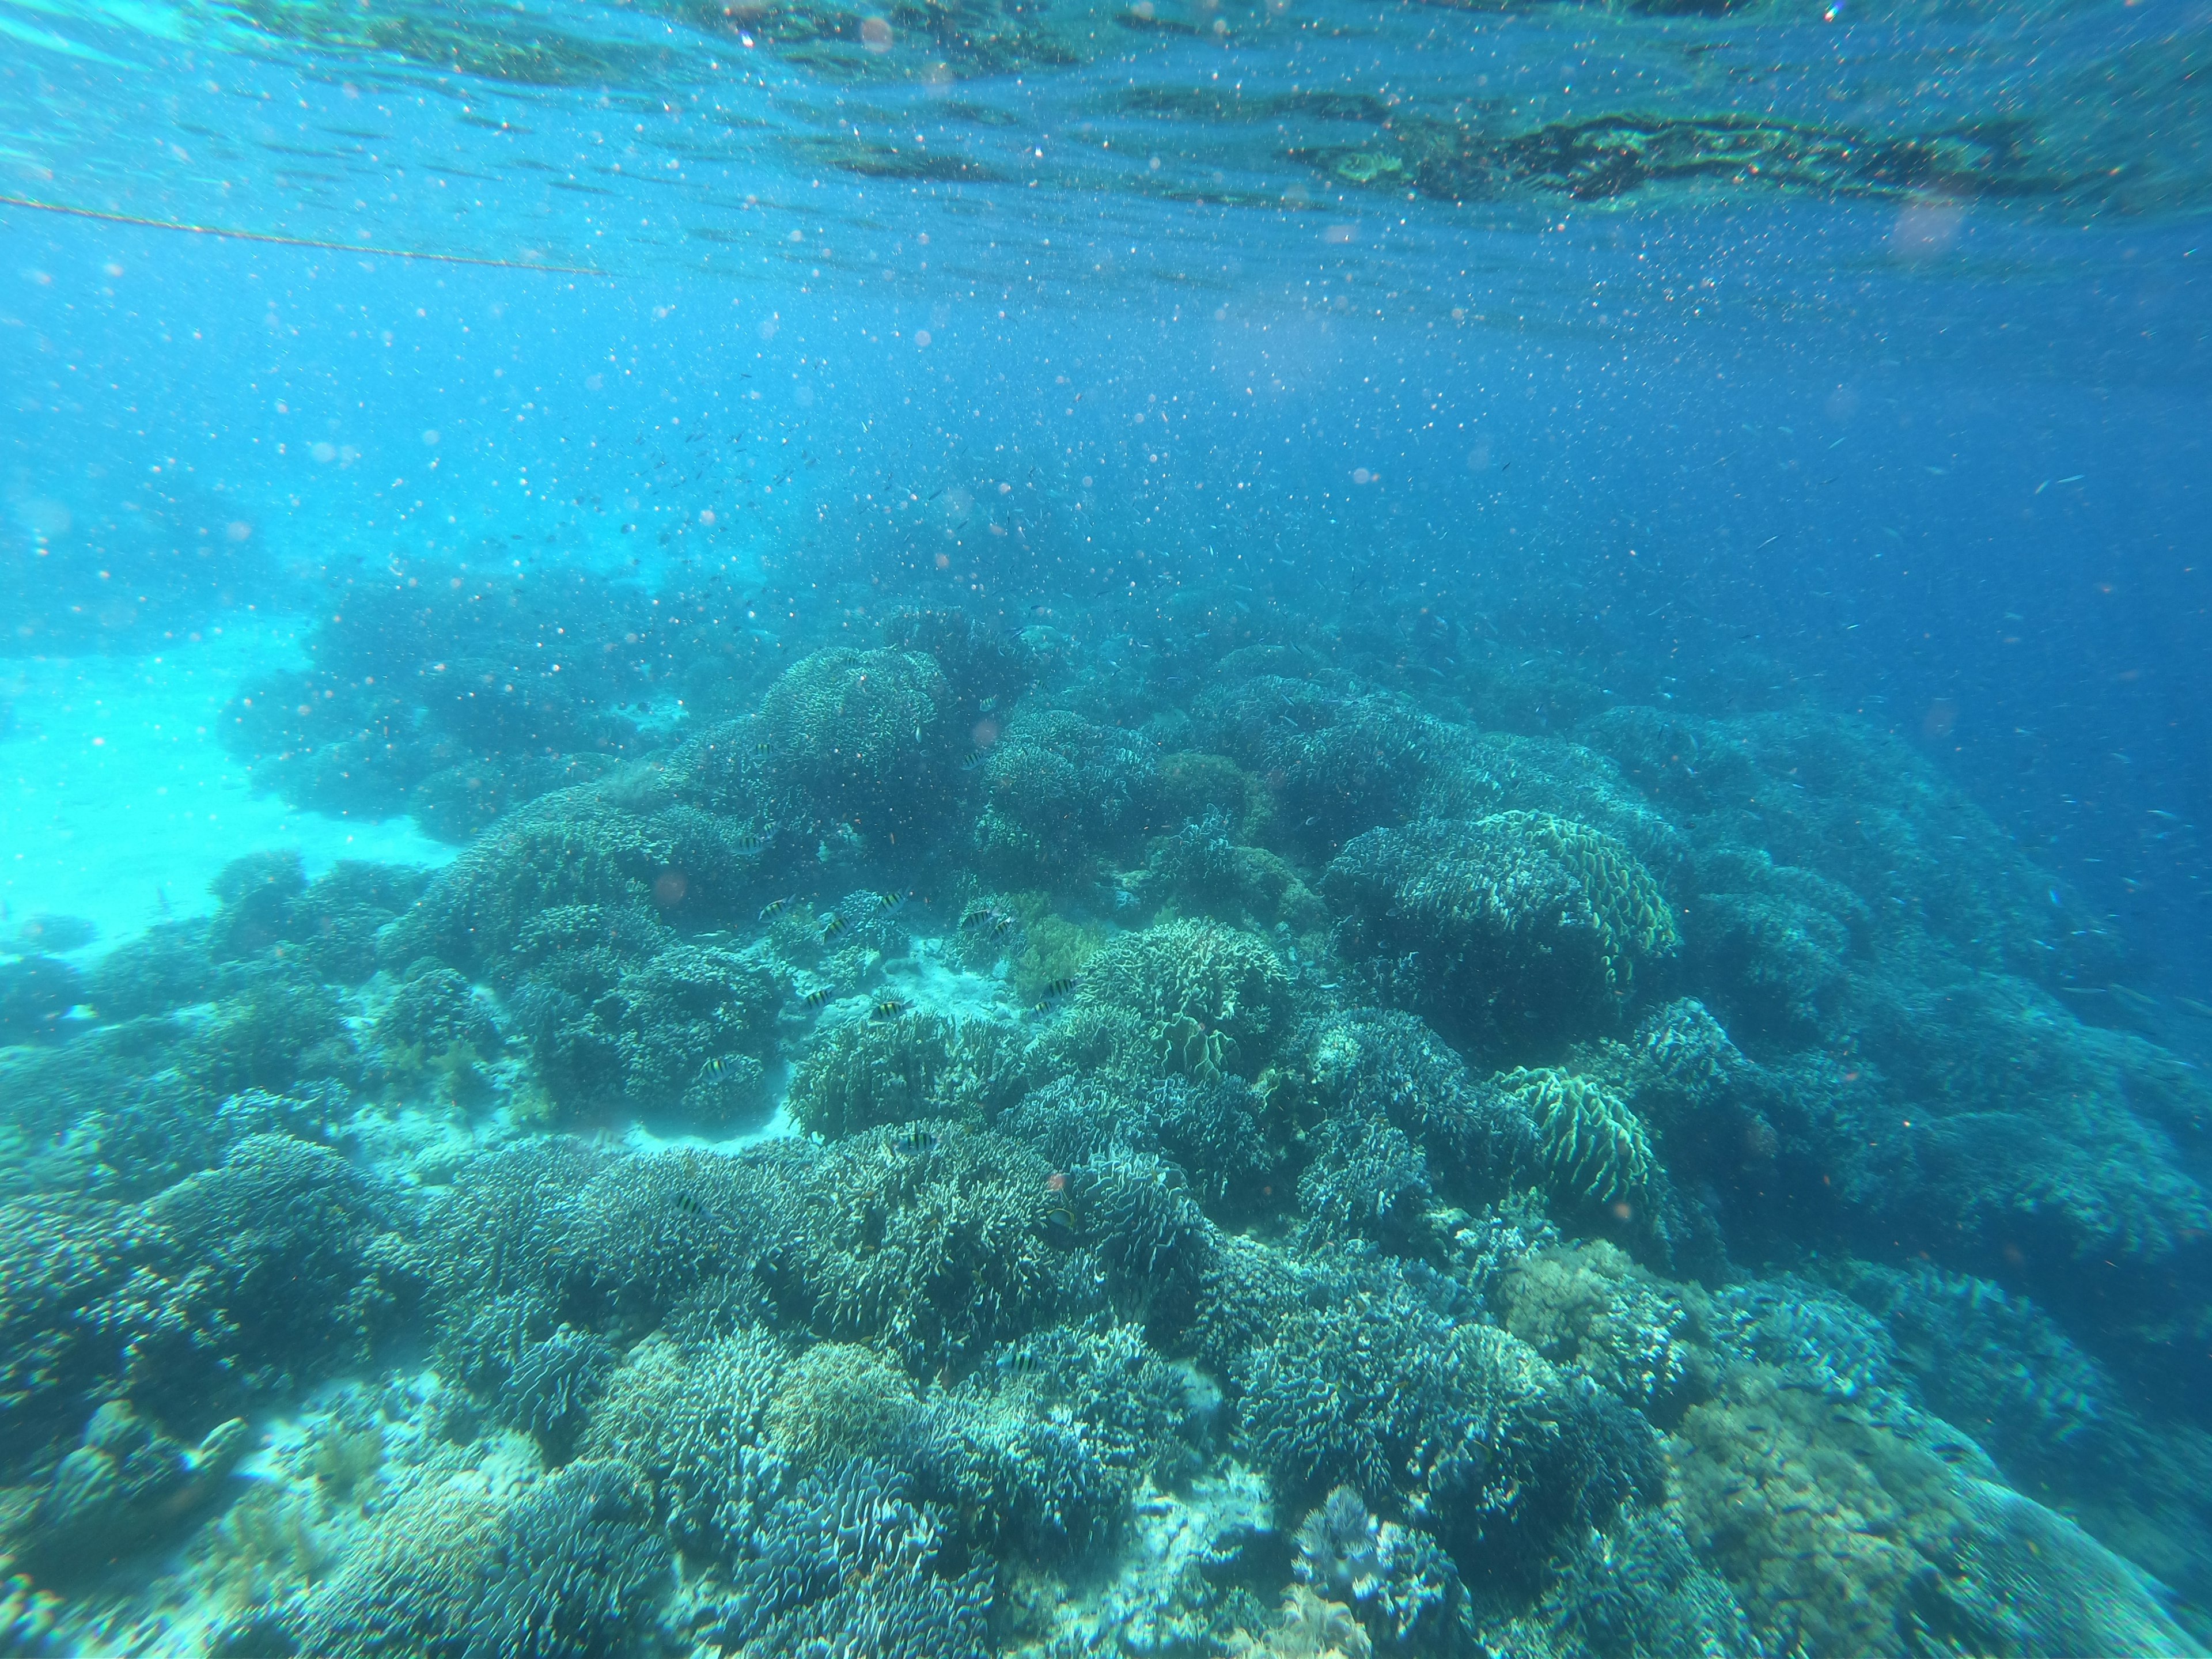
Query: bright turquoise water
{"points": [[1770, 439]]}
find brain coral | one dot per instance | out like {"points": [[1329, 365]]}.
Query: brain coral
{"points": [[1517, 913], [851, 736]]}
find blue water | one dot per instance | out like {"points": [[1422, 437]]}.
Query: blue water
{"points": [[1826, 381]]}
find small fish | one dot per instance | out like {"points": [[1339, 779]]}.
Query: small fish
{"points": [[711, 1068], [1059, 988], [974, 758], [773, 907], [750, 841], [891, 1007], [1059, 1219], [890, 900], [988, 704], [1000, 924], [689, 1203], [832, 927], [817, 997]]}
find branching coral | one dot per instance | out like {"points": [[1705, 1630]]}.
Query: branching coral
{"points": [[570, 1564], [453, 695], [1521, 917], [1403, 1586], [302, 1258], [1594, 1149], [847, 1564], [1206, 999], [856, 736], [692, 1421], [1061, 788], [936, 1242], [874, 1071], [1588, 1305], [1460, 1423], [1338, 764], [838, 1401]]}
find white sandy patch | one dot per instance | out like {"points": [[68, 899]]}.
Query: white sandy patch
{"points": [[116, 798]]}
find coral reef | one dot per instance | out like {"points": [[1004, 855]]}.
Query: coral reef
{"points": [[870, 1072], [1189, 998], [570, 1564], [1058, 790], [1594, 1149], [1269, 1166]]}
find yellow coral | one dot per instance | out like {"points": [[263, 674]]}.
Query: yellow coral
{"points": [[1632, 914], [838, 1400], [1593, 1146]]}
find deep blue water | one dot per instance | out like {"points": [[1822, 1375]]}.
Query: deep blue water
{"points": [[1822, 385]]}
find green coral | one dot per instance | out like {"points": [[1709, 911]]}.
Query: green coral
{"points": [[937, 1245], [1593, 1148], [1061, 788], [839, 1400], [1631, 914]]}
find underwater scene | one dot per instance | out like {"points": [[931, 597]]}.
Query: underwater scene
{"points": [[1105, 828]]}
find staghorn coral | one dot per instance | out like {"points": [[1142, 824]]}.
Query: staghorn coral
{"points": [[36, 994], [670, 1033], [170, 965], [454, 693], [1136, 1213], [869, 1072], [434, 1009], [640, 862], [1012, 1479], [1594, 1149], [846, 1565], [692, 1420], [1391, 1069]]}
